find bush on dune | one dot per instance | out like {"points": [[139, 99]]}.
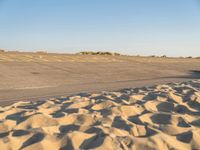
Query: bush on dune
{"points": [[98, 53], [1, 50], [164, 56], [41, 52]]}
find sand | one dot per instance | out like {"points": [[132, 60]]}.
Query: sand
{"points": [[33, 76], [163, 117]]}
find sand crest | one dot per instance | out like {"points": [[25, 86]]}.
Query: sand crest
{"points": [[159, 117]]}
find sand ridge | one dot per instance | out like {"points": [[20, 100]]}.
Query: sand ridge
{"points": [[26, 76], [158, 117], [48, 57]]}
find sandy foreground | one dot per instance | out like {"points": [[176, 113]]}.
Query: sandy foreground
{"points": [[159, 117]]}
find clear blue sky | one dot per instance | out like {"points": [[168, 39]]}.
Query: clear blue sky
{"points": [[145, 27]]}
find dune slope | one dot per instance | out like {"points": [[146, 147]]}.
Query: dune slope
{"points": [[159, 117]]}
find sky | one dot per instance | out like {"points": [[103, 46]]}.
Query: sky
{"points": [[135, 27]]}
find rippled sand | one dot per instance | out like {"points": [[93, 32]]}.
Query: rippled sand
{"points": [[159, 117]]}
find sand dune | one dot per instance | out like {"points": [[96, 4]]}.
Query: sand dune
{"points": [[159, 117], [45, 57], [26, 76]]}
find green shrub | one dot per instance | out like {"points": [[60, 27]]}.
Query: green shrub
{"points": [[98, 53], [163, 56], [41, 52]]}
